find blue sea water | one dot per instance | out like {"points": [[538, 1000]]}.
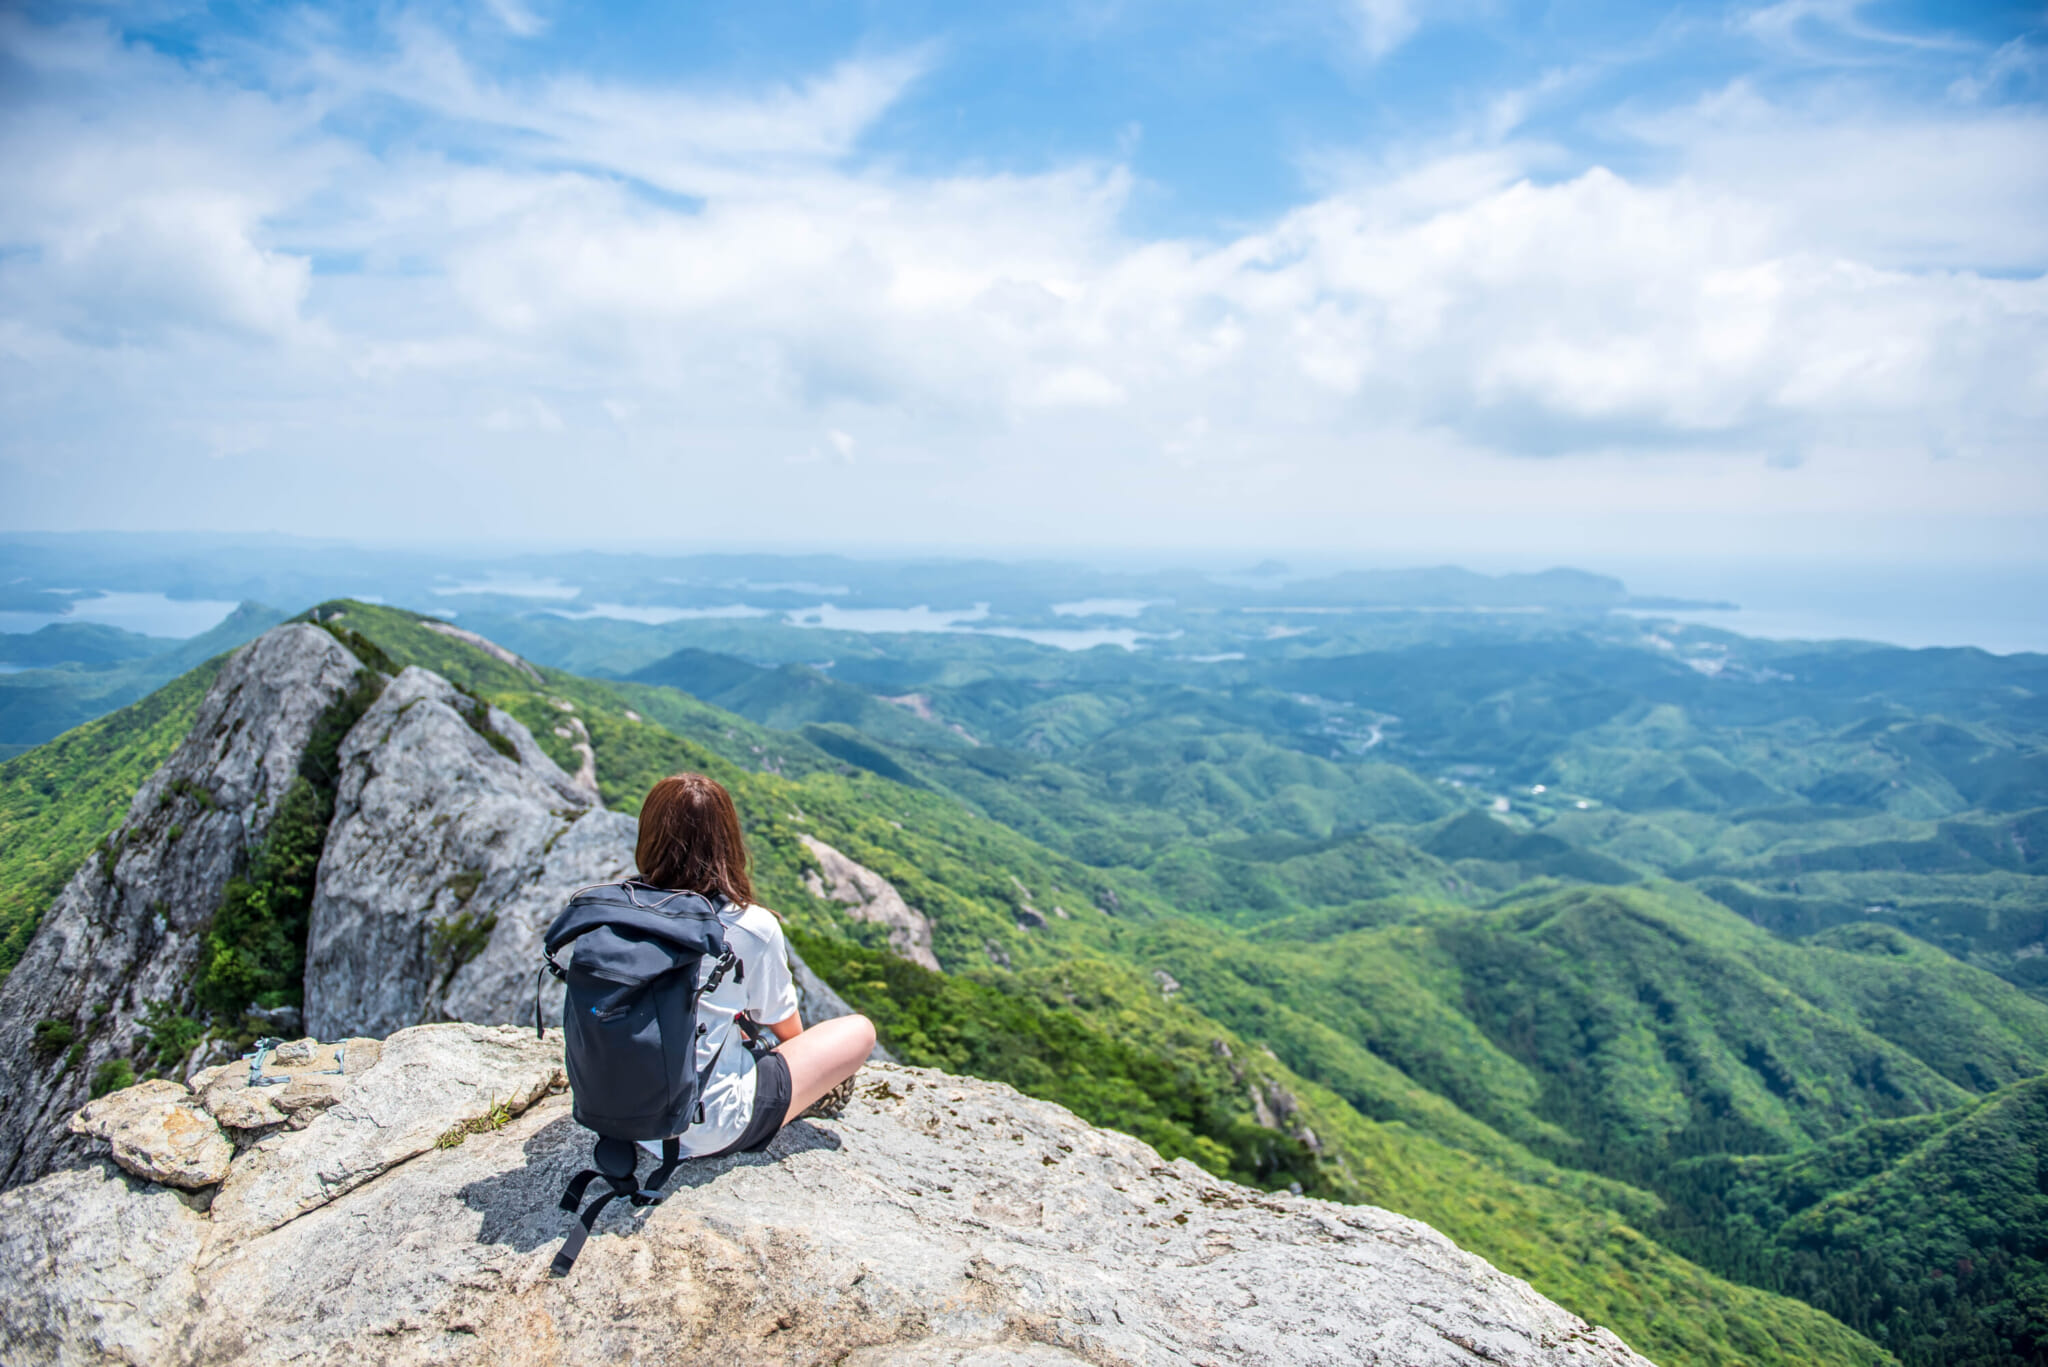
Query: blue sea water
{"points": [[151, 614], [2001, 608]]}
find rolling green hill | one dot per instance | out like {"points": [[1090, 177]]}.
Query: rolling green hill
{"points": [[1928, 1233], [84, 644], [1577, 1043], [1800, 800]]}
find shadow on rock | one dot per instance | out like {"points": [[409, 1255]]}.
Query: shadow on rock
{"points": [[520, 1206]]}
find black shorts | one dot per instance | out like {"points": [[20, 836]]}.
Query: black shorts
{"points": [[771, 1105]]}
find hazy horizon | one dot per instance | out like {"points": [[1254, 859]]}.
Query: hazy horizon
{"points": [[1991, 603]]}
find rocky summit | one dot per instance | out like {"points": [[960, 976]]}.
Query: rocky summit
{"points": [[402, 1210]]}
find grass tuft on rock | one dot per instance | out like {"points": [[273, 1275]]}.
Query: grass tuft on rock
{"points": [[496, 1118]]}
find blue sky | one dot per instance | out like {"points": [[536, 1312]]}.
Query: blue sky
{"points": [[1365, 276]]}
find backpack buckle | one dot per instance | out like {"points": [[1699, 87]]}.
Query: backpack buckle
{"points": [[727, 962]]}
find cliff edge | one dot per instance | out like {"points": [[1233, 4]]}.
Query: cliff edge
{"points": [[402, 1210]]}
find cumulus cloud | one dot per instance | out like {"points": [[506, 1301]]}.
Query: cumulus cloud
{"points": [[143, 210], [1948, 186], [696, 278]]}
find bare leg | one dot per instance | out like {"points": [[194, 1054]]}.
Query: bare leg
{"points": [[824, 1056]]}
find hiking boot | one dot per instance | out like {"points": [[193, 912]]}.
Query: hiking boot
{"points": [[830, 1105]]}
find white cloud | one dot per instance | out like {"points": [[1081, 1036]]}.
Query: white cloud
{"points": [[139, 209], [518, 19], [724, 277], [685, 142], [2014, 64], [1074, 386], [528, 414], [1955, 187], [1836, 30], [152, 263], [1384, 25]]}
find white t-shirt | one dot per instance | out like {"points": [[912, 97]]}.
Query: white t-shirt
{"points": [[767, 994]]}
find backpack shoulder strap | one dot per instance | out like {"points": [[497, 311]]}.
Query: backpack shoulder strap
{"points": [[617, 1160]]}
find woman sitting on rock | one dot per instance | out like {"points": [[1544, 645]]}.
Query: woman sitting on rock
{"points": [[690, 841]]}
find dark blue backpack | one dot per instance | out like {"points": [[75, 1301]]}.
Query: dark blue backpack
{"points": [[629, 1018]]}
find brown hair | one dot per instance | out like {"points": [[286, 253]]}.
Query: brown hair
{"points": [[690, 839]]}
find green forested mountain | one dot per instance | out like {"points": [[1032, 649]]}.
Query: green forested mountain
{"points": [[78, 643], [58, 800], [1929, 1231], [1696, 983], [1801, 788], [75, 672]]}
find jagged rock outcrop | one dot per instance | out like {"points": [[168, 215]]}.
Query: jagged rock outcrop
{"points": [[940, 1220], [108, 1275], [867, 896], [129, 926], [445, 861], [426, 1083]]}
